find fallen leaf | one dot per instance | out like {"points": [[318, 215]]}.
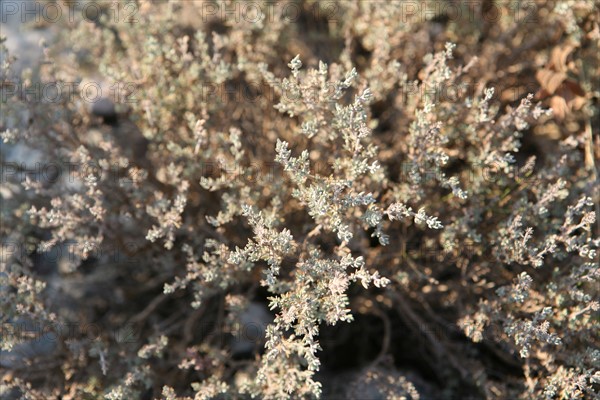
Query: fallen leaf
{"points": [[550, 80], [559, 107], [558, 59]]}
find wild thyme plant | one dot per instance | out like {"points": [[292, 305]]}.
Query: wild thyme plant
{"points": [[304, 200]]}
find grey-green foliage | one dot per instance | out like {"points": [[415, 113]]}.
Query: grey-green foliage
{"points": [[308, 198]]}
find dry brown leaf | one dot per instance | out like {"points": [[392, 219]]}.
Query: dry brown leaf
{"points": [[577, 103], [574, 88], [550, 80], [559, 57], [559, 107]]}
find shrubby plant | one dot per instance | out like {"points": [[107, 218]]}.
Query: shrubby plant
{"points": [[412, 208]]}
